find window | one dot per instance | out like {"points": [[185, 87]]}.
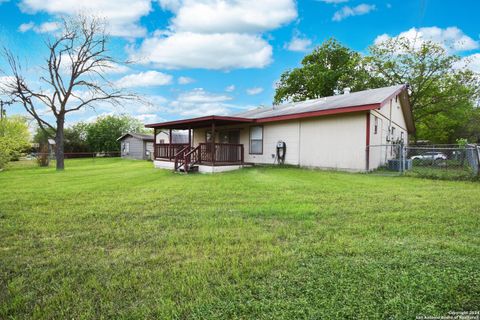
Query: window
{"points": [[256, 140], [375, 128], [162, 141], [208, 136], [401, 136], [126, 147]]}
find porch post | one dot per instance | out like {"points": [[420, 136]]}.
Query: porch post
{"points": [[213, 143], [189, 137], [154, 143], [170, 148]]}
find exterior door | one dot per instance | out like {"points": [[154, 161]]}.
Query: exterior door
{"points": [[230, 136]]}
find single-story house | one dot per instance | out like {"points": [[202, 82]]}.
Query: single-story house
{"points": [[334, 132]]}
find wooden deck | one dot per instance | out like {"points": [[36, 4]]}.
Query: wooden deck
{"points": [[210, 154]]}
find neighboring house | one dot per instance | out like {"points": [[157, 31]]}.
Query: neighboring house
{"points": [[336, 132], [136, 146], [140, 146]]}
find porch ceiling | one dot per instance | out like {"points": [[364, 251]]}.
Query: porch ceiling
{"points": [[200, 122]]}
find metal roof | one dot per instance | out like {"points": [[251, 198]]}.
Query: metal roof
{"points": [[343, 103], [360, 98], [140, 136]]}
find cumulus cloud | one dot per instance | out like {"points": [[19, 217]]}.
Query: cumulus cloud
{"points": [[122, 15], [144, 79], [215, 34], [298, 43], [452, 38], [222, 16], [348, 11], [45, 27], [230, 88], [209, 51], [185, 80], [254, 91]]}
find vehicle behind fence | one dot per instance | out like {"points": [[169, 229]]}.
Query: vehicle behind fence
{"points": [[430, 161]]}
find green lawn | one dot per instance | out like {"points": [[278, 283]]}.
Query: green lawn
{"points": [[111, 238]]}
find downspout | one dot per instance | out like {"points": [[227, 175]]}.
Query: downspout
{"points": [[367, 143]]}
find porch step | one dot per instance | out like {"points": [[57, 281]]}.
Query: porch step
{"points": [[192, 169]]}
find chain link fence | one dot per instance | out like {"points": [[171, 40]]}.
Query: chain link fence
{"points": [[429, 161]]}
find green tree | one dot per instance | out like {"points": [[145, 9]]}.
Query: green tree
{"points": [[14, 138], [329, 68], [442, 95], [75, 137], [102, 135]]}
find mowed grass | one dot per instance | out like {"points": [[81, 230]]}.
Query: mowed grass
{"points": [[111, 238]]}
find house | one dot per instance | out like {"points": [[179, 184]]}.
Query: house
{"points": [[335, 132]]}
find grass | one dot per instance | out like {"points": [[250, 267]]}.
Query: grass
{"points": [[111, 238]]}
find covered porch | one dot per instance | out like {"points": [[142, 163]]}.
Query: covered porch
{"points": [[207, 152]]}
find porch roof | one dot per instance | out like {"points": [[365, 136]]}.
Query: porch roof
{"points": [[200, 122]]}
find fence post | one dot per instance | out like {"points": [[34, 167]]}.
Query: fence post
{"points": [[478, 160]]}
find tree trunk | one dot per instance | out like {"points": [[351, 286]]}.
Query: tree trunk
{"points": [[59, 143]]}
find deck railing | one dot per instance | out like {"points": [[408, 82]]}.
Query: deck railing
{"points": [[222, 153], [168, 151], [206, 153]]}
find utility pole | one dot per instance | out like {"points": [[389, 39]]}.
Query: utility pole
{"points": [[2, 111]]}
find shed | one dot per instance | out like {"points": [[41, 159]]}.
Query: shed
{"points": [[136, 146]]}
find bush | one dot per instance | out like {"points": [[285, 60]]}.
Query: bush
{"points": [[6, 150]]}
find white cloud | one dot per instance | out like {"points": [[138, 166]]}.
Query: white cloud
{"points": [[122, 15], [115, 68], [24, 27], [452, 38], [149, 118], [144, 79], [347, 11], [199, 102], [171, 5], [208, 51], [471, 62], [185, 80], [41, 28], [199, 95], [215, 34], [220, 16], [4, 81], [230, 88], [254, 91], [299, 44]]}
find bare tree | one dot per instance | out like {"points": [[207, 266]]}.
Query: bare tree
{"points": [[74, 76]]}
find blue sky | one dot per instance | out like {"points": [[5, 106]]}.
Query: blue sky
{"points": [[193, 58]]}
